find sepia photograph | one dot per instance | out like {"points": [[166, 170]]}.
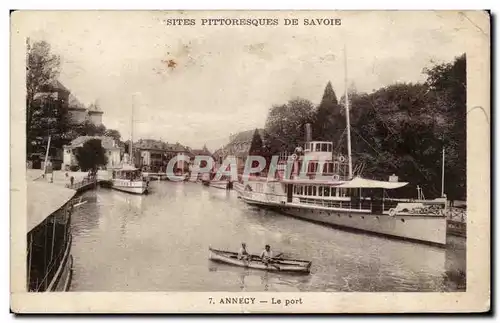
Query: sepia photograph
{"points": [[258, 160]]}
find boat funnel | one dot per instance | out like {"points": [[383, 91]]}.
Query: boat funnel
{"points": [[308, 131]]}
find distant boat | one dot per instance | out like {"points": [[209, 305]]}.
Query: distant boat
{"points": [[277, 265], [129, 179], [208, 179]]}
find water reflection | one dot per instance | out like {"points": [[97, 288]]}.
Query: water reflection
{"points": [[159, 242]]}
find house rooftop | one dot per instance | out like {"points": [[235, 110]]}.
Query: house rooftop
{"points": [[106, 142], [245, 136]]}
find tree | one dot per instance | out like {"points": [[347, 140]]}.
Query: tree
{"points": [[49, 118], [42, 69], [113, 133], [256, 145], [87, 128], [329, 124], [91, 155], [284, 128], [448, 82], [396, 129]]}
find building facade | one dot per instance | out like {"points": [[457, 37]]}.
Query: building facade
{"points": [[156, 154], [152, 155], [184, 156]]}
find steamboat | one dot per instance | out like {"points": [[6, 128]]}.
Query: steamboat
{"points": [[317, 185]]}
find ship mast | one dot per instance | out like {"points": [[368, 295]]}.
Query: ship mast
{"points": [[347, 116], [442, 177], [132, 132], [46, 156]]}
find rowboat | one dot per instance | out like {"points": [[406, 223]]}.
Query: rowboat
{"points": [[277, 265]]}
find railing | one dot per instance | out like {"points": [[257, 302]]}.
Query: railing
{"points": [[367, 204], [86, 181], [457, 214]]}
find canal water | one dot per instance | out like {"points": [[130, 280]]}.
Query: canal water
{"points": [[159, 242]]}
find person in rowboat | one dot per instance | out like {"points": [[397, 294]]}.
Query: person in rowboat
{"points": [[266, 255], [243, 254]]}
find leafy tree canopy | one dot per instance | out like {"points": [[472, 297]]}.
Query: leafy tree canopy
{"points": [[284, 128], [91, 155]]}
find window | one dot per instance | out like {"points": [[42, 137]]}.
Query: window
{"points": [[314, 191], [309, 190], [320, 191], [301, 190], [329, 148], [318, 147], [327, 191], [324, 147]]}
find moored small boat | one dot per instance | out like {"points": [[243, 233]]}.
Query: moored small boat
{"points": [[277, 265]]}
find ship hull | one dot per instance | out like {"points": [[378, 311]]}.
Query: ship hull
{"points": [[239, 188], [62, 279], [130, 187], [417, 228]]}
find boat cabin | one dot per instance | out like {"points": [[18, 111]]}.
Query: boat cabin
{"points": [[317, 157], [49, 238], [128, 173]]}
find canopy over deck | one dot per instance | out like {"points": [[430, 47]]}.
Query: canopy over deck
{"points": [[358, 182], [127, 168], [43, 200]]}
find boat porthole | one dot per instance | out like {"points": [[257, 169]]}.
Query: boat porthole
{"points": [[362, 217], [338, 214], [350, 216], [402, 220]]}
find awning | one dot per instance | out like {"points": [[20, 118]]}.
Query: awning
{"points": [[127, 167], [359, 182]]}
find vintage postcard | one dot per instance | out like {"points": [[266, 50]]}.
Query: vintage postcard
{"points": [[250, 161]]}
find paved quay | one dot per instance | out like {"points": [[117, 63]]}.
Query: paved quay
{"points": [[58, 177]]}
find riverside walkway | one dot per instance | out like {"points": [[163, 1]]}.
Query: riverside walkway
{"points": [[81, 181]]}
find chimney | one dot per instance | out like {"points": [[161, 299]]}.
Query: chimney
{"points": [[308, 132]]}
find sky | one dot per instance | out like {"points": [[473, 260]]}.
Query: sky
{"points": [[225, 79]]}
